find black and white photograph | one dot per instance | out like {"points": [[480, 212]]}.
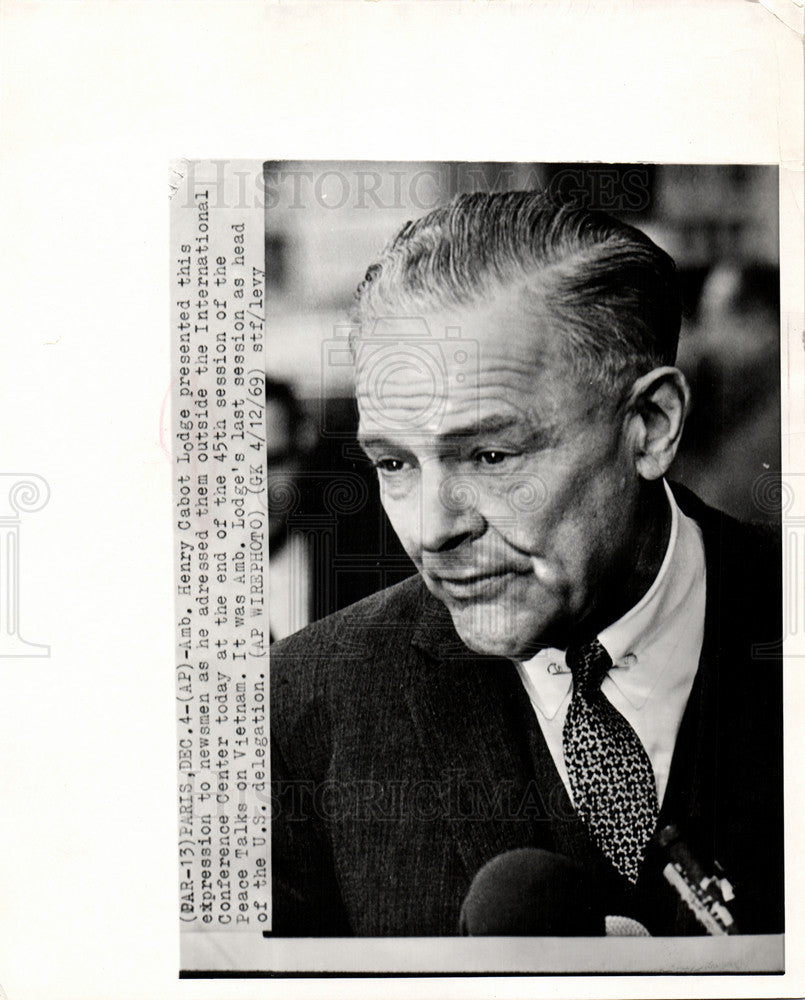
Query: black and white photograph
{"points": [[402, 501], [523, 488]]}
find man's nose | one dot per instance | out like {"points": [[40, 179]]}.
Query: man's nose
{"points": [[450, 509]]}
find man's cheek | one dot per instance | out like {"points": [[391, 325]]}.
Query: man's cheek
{"points": [[403, 522], [520, 494], [548, 574], [526, 528]]}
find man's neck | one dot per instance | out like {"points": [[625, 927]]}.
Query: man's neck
{"points": [[639, 564]]}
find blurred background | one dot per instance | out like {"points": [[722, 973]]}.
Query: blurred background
{"points": [[326, 221]]}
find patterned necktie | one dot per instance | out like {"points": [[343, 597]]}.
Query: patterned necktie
{"points": [[611, 777]]}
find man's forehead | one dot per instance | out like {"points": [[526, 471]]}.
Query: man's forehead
{"points": [[511, 319], [407, 414], [495, 345]]}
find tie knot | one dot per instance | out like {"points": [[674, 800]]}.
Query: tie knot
{"points": [[589, 665]]}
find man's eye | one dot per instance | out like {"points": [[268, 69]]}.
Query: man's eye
{"points": [[389, 465], [492, 456]]}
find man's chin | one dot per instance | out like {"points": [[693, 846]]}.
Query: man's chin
{"points": [[493, 630]]}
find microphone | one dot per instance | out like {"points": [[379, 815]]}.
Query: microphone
{"points": [[536, 893], [531, 892], [705, 896]]}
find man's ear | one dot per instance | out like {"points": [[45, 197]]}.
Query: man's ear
{"points": [[655, 415]]}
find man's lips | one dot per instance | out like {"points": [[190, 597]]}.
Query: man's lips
{"points": [[471, 584]]}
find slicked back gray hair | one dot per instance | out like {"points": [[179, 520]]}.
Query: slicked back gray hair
{"points": [[611, 291]]}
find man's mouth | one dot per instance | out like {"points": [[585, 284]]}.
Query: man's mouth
{"points": [[473, 585]]}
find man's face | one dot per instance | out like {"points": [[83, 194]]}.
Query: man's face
{"points": [[510, 485]]}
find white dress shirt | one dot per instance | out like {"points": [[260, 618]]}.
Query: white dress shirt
{"points": [[655, 649]]}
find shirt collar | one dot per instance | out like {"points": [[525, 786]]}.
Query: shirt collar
{"points": [[641, 643]]}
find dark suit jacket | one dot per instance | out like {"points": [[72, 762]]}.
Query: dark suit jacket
{"points": [[402, 762]]}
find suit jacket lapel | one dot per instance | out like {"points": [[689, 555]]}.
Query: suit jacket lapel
{"points": [[467, 713], [473, 717]]}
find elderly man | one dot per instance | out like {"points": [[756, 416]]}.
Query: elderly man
{"points": [[585, 661]]}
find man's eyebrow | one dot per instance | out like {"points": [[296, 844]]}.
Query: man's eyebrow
{"points": [[377, 441], [488, 425], [528, 433]]}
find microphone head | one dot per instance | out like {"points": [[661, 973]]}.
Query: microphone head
{"points": [[532, 892], [625, 927]]}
